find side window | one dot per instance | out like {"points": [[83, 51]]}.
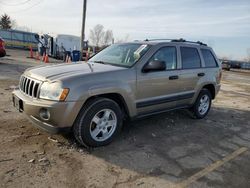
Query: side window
{"points": [[168, 55], [190, 58], [208, 58]]}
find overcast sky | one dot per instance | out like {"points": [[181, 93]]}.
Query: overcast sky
{"points": [[223, 24]]}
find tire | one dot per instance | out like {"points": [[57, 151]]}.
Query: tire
{"points": [[197, 110], [98, 122], [3, 53]]}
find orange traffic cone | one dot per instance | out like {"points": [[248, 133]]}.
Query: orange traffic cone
{"points": [[68, 59], [46, 58]]}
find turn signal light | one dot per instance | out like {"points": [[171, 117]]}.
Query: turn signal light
{"points": [[64, 94]]}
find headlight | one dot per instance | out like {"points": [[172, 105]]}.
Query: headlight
{"points": [[53, 91]]}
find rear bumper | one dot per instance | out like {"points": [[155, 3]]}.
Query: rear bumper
{"points": [[61, 114]]}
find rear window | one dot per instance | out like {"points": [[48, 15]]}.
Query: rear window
{"points": [[190, 58], [208, 58]]}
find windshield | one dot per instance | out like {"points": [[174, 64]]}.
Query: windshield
{"points": [[125, 55]]}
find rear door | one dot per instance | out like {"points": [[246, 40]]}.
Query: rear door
{"points": [[190, 73]]}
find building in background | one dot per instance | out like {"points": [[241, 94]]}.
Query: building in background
{"points": [[19, 39]]}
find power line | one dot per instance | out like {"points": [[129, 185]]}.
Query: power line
{"points": [[28, 8], [17, 4]]}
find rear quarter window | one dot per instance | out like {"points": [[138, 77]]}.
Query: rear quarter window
{"points": [[190, 58], [208, 58]]}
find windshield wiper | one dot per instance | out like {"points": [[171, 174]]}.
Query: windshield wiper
{"points": [[101, 62], [106, 63]]}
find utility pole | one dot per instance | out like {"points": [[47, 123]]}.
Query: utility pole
{"points": [[83, 28]]}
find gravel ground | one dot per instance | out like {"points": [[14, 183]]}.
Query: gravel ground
{"points": [[161, 151]]}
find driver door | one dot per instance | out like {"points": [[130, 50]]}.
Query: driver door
{"points": [[158, 90]]}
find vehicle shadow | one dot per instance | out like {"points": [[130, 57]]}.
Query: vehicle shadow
{"points": [[173, 146]]}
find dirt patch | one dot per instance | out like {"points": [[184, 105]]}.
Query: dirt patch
{"points": [[156, 152]]}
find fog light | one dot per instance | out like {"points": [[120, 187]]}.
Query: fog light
{"points": [[44, 114]]}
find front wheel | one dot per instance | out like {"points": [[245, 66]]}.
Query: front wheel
{"points": [[202, 104], [98, 123]]}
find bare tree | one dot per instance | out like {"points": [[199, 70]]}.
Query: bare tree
{"points": [[108, 37], [96, 35], [99, 37], [23, 28], [13, 24], [124, 39], [224, 58]]}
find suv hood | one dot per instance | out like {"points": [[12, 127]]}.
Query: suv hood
{"points": [[52, 72]]}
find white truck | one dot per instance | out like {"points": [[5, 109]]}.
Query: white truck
{"points": [[58, 45], [69, 42]]}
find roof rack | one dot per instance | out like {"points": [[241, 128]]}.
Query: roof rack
{"points": [[148, 40], [178, 40]]}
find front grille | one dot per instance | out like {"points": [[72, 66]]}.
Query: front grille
{"points": [[29, 86]]}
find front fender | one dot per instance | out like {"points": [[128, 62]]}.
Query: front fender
{"points": [[118, 82], [124, 90]]}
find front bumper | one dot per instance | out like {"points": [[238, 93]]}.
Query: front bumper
{"points": [[62, 114], [47, 127]]}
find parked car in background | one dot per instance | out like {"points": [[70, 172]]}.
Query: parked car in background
{"points": [[123, 81], [235, 64], [225, 65], [2, 48]]}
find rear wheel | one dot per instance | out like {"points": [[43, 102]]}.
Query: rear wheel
{"points": [[98, 123], [202, 104]]}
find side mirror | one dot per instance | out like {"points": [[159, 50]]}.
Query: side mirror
{"points": [[154, 66]]}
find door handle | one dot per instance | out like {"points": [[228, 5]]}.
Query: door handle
{"points": [[201, 74], [175, 77]]}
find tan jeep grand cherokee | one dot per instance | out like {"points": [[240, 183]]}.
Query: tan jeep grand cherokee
{"points": [[129, 80]]}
